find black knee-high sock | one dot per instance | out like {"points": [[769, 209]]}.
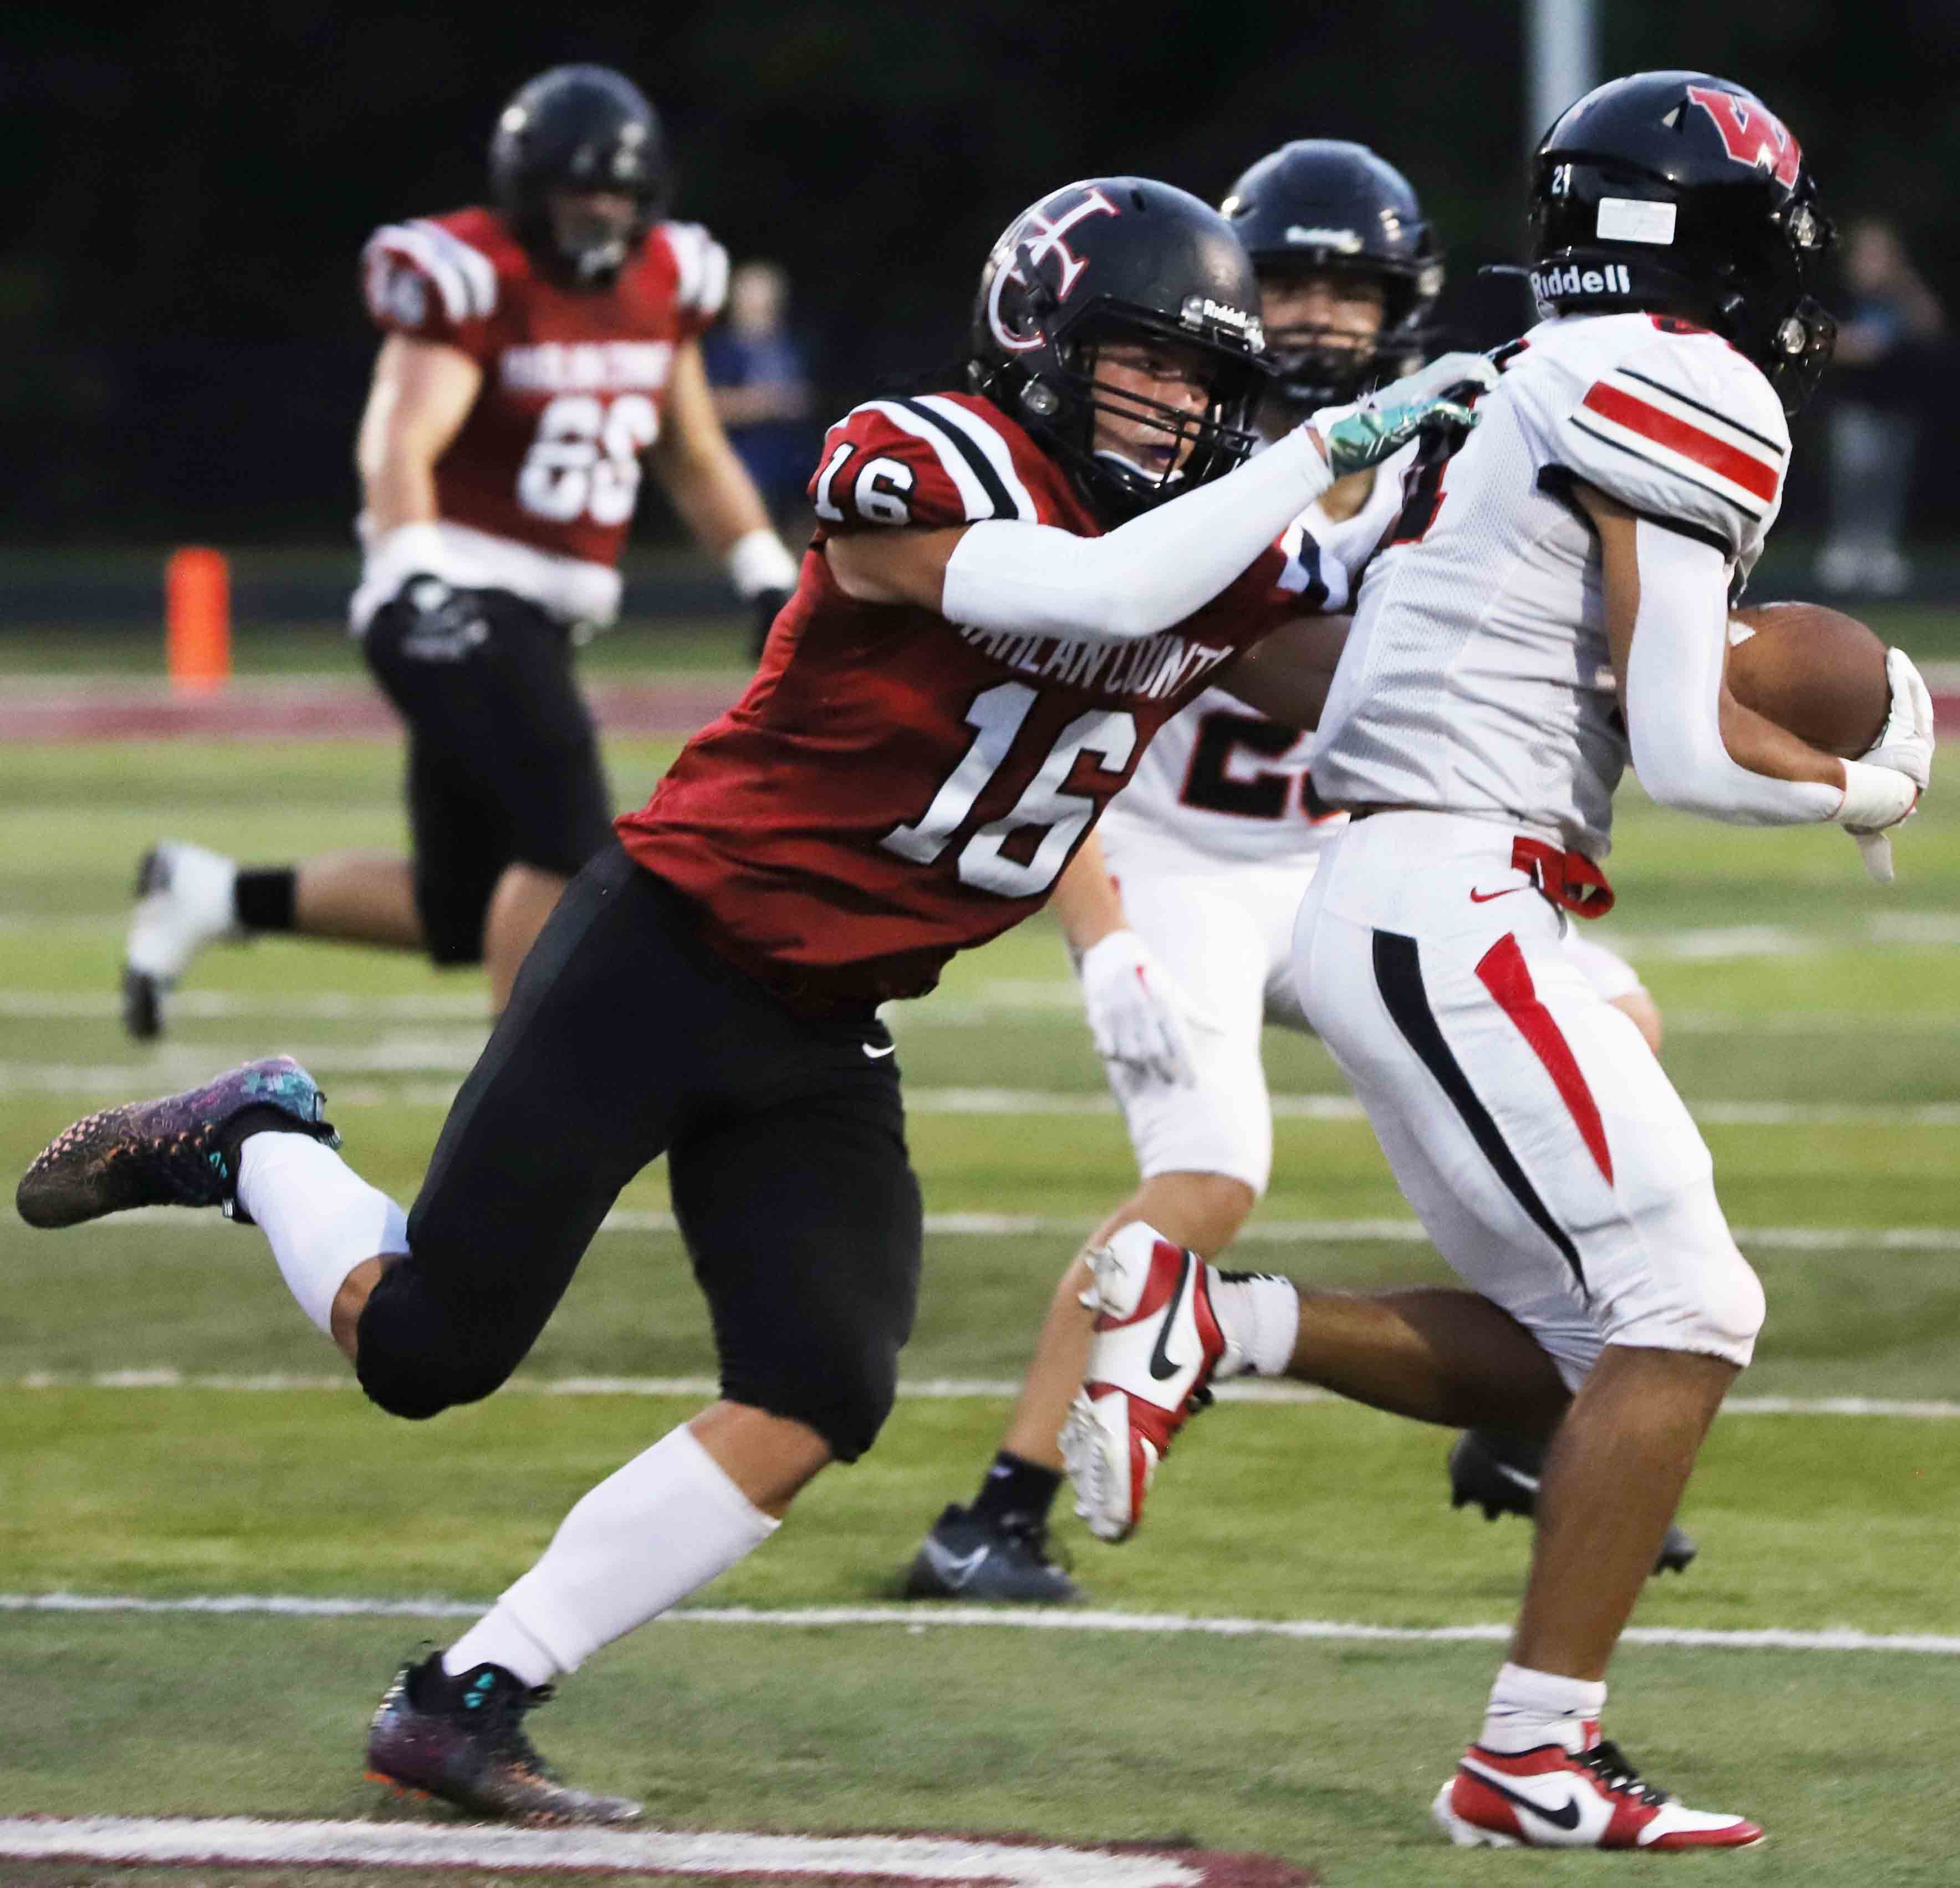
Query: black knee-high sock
{"points": [[265, 897], [1016, 1489]]}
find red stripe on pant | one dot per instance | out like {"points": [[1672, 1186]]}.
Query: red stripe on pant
{"points": [[1502, 971]]}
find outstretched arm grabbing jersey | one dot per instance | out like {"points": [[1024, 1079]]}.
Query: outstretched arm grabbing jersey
{"points": [[1160, 567]]}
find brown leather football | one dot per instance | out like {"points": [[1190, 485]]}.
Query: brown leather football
{"points": [[1817, 672]]}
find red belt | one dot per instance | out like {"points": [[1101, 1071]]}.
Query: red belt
{"points": [[1570, 880]]}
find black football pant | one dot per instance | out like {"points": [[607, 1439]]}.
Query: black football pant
{"points": [[626, 1037], [504, 766]]}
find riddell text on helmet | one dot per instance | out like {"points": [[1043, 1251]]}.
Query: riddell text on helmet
{"points": [[1612, 280]]}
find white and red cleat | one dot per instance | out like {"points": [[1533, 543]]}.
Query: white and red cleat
{"points": [[1551, 1797], [1156, 1347]]}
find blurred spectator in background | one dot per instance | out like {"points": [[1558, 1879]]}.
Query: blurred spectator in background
{"points": [[1890, 322], [761, 385]]}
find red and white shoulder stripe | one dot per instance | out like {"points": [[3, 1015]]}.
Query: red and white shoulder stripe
{"points": [[702, 264], [975, 456], [463, 277], [1679, 433]]}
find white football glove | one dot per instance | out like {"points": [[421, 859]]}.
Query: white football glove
{"points": [[1139, 1015], [1875, 795]]}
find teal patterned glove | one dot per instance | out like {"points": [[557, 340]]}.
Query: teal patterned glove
{"points": [[1368, 435]]}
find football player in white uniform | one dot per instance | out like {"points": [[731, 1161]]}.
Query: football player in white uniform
{"points": [[1553, 604], [1179, 911]]}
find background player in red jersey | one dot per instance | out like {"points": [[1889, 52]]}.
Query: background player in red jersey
{"points": [[1012, 589], [534, 352]]}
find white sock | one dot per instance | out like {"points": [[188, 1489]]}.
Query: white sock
{"points": [[645, 1537], [1259, 1315], [1528, 1708], [321, 1218]]}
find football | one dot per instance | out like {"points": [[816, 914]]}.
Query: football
{"points": [[1816, 672]]}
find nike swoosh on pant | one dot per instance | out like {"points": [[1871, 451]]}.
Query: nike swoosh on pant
{"points": [[875, 1054], [1161, 1366], [1566, 1816], [1484, 898]]}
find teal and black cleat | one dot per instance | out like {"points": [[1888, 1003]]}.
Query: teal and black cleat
{"points": [[463, 1739], [967, 1556], [181, 1150]]}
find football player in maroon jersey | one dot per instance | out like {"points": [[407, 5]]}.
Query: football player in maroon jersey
{"points": [[1349, 271], [534, 352], [1012, 587]]}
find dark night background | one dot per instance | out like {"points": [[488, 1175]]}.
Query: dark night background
{"points": [[182, 352]]}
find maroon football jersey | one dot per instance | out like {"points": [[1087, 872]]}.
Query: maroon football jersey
{"points": [[573, 382], [893, 788]]}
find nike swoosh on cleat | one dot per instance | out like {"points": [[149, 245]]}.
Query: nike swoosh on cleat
{"points": [[954, 1569], [1161, 1366], [1484, 898], [875, 1054], [1566, 1816]]}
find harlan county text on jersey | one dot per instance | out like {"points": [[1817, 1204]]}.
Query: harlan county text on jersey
{"points": [[1152, 668]]}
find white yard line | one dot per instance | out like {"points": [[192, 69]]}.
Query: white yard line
{"points": [[1689, 943], [1029, 1619], [454, 1052], [1274, 1232], [207, 1006], [913, 1390], [995, 1001], [903, 1861]]}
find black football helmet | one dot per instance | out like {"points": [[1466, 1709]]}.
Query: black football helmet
{"points": [[1685, 194], [1323, 206], [1118, 260], [578, 127]]}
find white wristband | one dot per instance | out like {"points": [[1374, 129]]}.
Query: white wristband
{"points": [[757, 560], [1874, 798]]}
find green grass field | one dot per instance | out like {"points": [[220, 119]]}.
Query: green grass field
{"points": [[1814, 1020]]}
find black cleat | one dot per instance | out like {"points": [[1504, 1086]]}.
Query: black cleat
{"points": [[1500, 1474], [180, 1151], [143, 1005], [967, 1556], [463, 1739]]}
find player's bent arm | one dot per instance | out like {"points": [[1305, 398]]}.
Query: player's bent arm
{"points": [[421, 394], [1137, 580], [1085, 901], [1287, 676], [710, 487], [1666, 598]]}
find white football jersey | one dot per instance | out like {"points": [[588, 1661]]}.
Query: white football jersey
{"points": [[1222, 784], [1476, 679]]}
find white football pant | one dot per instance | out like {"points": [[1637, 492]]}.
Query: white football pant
{"points": [[1225, 934], [1541, 1145]]}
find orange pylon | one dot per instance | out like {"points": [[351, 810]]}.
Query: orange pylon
{"points": [[197, 593]]}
